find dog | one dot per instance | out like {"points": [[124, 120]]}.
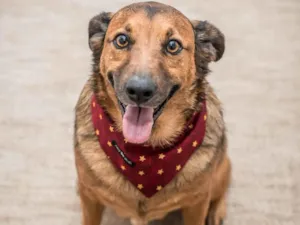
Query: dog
{"points": [[149, 131]]}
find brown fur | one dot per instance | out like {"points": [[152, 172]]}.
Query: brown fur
{"points": [[200, 189]]}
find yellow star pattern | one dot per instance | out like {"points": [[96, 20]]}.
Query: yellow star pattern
{"points": [[97, 132], [205, 117], [158, 188], [195, 143], [191, 126], [178, 167], [161, 156], [141, 173], [142, 158], [179, 150], [160, 172], [123, 167], [100, 116], [125, 140], [140, 186], [109, 144], [111, 129], [94, 104]]}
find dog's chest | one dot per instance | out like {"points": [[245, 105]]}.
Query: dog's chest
{"points": [[115, 191], [128, 202], [157, 207]]}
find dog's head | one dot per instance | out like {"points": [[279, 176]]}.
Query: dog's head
{"points": [[149, 66]]}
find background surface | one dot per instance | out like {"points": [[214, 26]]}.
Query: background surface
{"points": [[45, 60]]}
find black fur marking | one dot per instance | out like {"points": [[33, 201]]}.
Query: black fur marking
{"points": [[207, 34], [128, 28], [98, 25], [201, 26], [152, 10], [164, 72], [170, 32], [111, 78]]}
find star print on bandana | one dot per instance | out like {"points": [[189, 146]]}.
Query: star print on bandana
{"points": [[195, 143], [160, 172], [141, 173], [161, 156], [179, 150], [142, 158], [148, 169], [111, 129], [123, 167]]}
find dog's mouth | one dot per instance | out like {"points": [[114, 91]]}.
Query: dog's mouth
{"points": [[138, 121]]}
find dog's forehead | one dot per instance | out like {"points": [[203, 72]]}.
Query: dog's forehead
{"points": [[146, 15], [151, 9]]}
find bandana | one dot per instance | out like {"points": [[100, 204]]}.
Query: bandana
{"points": [[148, 169]]}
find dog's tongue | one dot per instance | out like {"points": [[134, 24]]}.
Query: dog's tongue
{"points": [[137, 124]]}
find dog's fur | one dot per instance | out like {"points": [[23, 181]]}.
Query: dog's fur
{"points": [[200, 188]]}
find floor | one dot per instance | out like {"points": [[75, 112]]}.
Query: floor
{"points": [[45, 60]]}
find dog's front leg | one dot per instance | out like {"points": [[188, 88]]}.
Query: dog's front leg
{"points": [[91, 210], [196, 214]]}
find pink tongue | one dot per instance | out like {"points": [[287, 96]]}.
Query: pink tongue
{"points": [[137, 124]]}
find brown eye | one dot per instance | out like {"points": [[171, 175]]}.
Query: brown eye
{"points": [[174, 47], [121, 41]]}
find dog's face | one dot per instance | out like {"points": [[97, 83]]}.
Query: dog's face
{"points": [[146, 54]]}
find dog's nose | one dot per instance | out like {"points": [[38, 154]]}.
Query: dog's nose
{"points": [[140, 89]]}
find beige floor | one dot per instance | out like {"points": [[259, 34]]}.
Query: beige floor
{"points": [[44, 61]]}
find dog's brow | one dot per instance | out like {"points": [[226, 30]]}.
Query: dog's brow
{"points": [[170, 32], [128, 28]]}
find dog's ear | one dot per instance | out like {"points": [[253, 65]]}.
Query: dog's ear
{"points": [[210, 42], [97, 29]]}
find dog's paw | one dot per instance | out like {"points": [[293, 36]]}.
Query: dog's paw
{"points": [[216, 215], [214, 220]]}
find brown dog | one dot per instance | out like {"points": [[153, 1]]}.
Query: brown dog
{"points": [[149, 77]]}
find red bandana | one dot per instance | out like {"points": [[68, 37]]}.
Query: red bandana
{"points": [[148, 169]]}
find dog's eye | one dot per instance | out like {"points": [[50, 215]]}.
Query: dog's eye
{"points": [[174, 47], [121, 41]]}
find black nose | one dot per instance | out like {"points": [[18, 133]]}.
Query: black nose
{"points": [[140, 89]]}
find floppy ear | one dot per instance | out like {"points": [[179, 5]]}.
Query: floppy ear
{"points": [[210, 42], [97, 29]]}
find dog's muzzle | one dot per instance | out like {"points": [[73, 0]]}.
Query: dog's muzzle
{"points": [[141, 103]]}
